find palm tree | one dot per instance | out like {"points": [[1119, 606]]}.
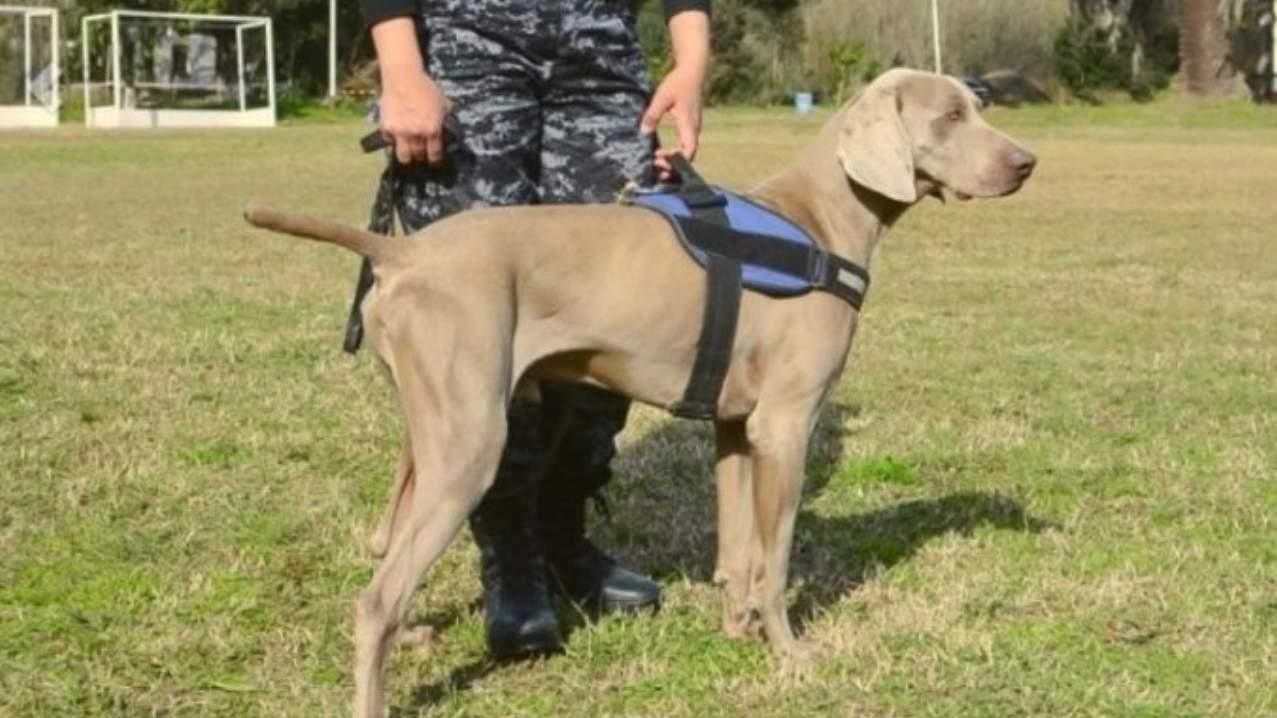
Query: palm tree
{"points": [[1221, 42], [1209, 30], [1199, 56]]}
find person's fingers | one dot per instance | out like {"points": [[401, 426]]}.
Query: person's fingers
{"points": [[661, 104], [434, 147], [664, 170], [403, 150], [686, 131], [417, 142]]}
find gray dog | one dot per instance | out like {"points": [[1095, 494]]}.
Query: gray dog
{"points": [[484, 305]]}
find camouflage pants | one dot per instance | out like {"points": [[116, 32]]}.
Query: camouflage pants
{"points": [[548, 95]]}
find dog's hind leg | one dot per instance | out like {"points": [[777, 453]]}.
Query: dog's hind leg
{"points": [[455, 416], [442, 500], [778, 444], [400, 499], [735, 527]]}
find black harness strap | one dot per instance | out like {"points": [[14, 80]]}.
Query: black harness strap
{"points": [[718, 333], [722, 301]]}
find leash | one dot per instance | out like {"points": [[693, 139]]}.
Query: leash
{"points": [[382, 221]]}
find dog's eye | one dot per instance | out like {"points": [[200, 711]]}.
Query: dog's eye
{"points": [[955, 116]]}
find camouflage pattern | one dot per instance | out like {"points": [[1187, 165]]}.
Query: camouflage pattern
{"points": [[548, 95]]}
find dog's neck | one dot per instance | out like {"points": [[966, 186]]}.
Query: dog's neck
{"points": [[815, 192]]}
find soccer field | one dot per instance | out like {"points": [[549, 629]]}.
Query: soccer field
{"points": [[1046, 485]]}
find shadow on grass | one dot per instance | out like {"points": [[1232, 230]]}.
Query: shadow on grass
{"points": [[833, 555], [458, 680]]}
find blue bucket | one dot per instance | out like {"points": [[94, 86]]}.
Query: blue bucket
{"points": [[803, 102]]}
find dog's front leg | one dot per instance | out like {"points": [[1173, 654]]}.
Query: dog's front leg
{"points": [[734, 566], [778, 446]]}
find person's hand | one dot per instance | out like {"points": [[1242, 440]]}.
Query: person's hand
{"points": [[412, 105], [679, 96], [412, 113]]}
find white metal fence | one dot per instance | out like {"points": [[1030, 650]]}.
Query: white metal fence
{"points": [[29, 66]]}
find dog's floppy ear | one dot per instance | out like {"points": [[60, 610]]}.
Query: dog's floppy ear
{"points": [[874, 147]]}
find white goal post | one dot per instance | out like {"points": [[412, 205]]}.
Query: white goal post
{"points": [[177, 65], [34, 99]]}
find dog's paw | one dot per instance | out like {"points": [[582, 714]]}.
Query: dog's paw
{"points": [[745, 626], [417, 637], [798, 662], [740, 630]]}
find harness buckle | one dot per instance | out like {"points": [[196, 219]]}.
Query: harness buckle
{"points": [[818, 267]]}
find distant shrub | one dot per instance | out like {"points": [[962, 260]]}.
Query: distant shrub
{"points": [[1084, 62], [1087, 62]]}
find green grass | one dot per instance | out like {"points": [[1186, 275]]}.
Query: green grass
{"points": [[1044, 486]]}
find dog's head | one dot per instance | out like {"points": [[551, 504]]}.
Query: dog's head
{"points": [[911, 134]]}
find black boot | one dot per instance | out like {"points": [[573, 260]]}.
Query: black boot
{"points": [[519, 619], [579, 469]]}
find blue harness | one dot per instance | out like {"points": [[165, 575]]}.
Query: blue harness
{"points": [[748, 219], [741, 245]]}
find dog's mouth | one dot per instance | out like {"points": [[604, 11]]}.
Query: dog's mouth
{"points": [[1014, 187], [1003, 189], [991, 190]]}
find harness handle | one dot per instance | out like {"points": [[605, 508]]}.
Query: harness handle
{"points": [[697, 194]]}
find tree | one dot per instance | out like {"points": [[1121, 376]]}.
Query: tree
{"points": [[1250, 40], [1213, 44], [1206, 61], [1135, 31], [1129, 44]]}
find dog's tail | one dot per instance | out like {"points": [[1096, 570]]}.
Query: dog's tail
{"points": [[375, 247]]}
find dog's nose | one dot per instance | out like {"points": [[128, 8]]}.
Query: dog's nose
{"points": [[1023, 162]]}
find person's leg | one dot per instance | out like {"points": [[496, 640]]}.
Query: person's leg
{"points": [[580, 467], [596, 95], [489, 83]]}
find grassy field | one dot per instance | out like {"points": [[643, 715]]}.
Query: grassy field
{"points": [[1045, 486]]}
